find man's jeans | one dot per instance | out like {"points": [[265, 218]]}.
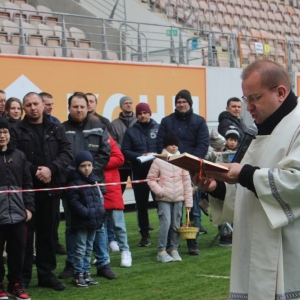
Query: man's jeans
{"points": [[83, 250], [110, 231], [195, 217]]}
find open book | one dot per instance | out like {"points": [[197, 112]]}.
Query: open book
{"points": [[192, 163]]}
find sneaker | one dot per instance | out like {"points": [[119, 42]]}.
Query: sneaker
{"points": [[164, 257], [225, 240], [15, 290], [114, 247], [193, 250], [59, 249], [106, 272], [3, 295], [175, 255], [145, 241], [88, 279], [202, 230], [53, 284], [126, 260], [68, 271], [79, 281]]}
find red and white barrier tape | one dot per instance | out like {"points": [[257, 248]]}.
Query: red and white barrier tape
{"points": [[84, 185]]}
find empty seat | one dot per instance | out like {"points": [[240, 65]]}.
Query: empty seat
{"points": [[44, 11], [244, 54], [35, 20], [79, 53], [265, 5], [20, 2], [9, 49], [51, 21], [111, 55], [273, 6], [44, 51], [11, 7], [58, 31], [4, 15], [4, 38], [45, 31], [94, 54], [10, 27], [28, 9], [30, 50], [29, 29], [35, 40]]}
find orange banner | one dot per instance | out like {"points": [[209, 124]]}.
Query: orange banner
{"points": [[155, 84]]}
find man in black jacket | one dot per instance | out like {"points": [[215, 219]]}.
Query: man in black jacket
{"points": [[140, 140], [87, 134], [48, 151], [232, 117]]}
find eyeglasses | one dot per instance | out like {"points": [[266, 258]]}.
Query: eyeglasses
{"points": [[5, 132], [255, 98]]}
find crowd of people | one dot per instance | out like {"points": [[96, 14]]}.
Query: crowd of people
{"points": [[89, 150]]}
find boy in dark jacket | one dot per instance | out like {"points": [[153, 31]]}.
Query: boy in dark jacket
{"points": [[87, 215], [16, 209]]}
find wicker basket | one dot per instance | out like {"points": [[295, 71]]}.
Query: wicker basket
{"points": [[188, 233]]}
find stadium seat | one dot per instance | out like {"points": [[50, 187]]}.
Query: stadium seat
{"points": [[35, 20], [4, 15], [79, 53], [94, 54], [10, 27], [58, 32], [111, 55], [45, 31], [44, 51], [44, 11], [11, 7], [9, 49]]}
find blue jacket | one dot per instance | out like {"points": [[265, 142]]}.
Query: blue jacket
{"points": [[191, 130], [87, 211], [137, 141]]}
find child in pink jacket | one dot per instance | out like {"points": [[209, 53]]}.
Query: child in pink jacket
{"points": [[171, 191]]}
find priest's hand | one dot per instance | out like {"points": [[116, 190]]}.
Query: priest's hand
{"points": [[206, 184], [231, 177]]}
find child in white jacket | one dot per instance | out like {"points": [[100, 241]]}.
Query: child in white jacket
{"points": [[173, 188]]}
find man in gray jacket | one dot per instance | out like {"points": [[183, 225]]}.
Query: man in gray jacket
{"points": [[125, 120]]}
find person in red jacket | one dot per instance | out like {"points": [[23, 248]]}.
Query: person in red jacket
{"points": [[114, 204]]}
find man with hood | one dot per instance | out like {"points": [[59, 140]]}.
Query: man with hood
{"points": [[192, 131], [232, 117]]}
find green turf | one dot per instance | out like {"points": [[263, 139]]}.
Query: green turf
{"points": [[196, 277]]}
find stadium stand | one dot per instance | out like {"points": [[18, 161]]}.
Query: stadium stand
{"points": [[215, 33]]}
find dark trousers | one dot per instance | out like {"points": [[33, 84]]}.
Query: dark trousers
{"points": [[56, 226], [15, 237], [124, 174], [141, 195], [43, 223]]}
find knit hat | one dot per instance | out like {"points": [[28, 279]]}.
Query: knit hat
{"points": [[142, 107], [123, 99], [83, 156], [232, 133], [185, 94], [170, 139], [4, 123], [216, 140]]}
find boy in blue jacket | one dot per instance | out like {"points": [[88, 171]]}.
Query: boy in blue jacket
{"points": [[87, 215]]}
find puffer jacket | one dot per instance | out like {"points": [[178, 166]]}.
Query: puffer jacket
{"points": [[15, 175], [87, 211], [57, 149], [174, 185], [226, 120], [191, 130], [92, 136], [113, 198], [136, 142]]}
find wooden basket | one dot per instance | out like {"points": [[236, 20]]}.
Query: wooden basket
{"points": [[188, 233]]}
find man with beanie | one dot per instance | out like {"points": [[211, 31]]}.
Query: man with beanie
{"points": [[232, 117], [125, 120], [49, 153], [193, 135], [140, 139]]}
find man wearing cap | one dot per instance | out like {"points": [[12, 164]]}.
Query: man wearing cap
{"points": [[92, 111], [138, 140], [125, 120], [193, 135], [232, 117]]}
